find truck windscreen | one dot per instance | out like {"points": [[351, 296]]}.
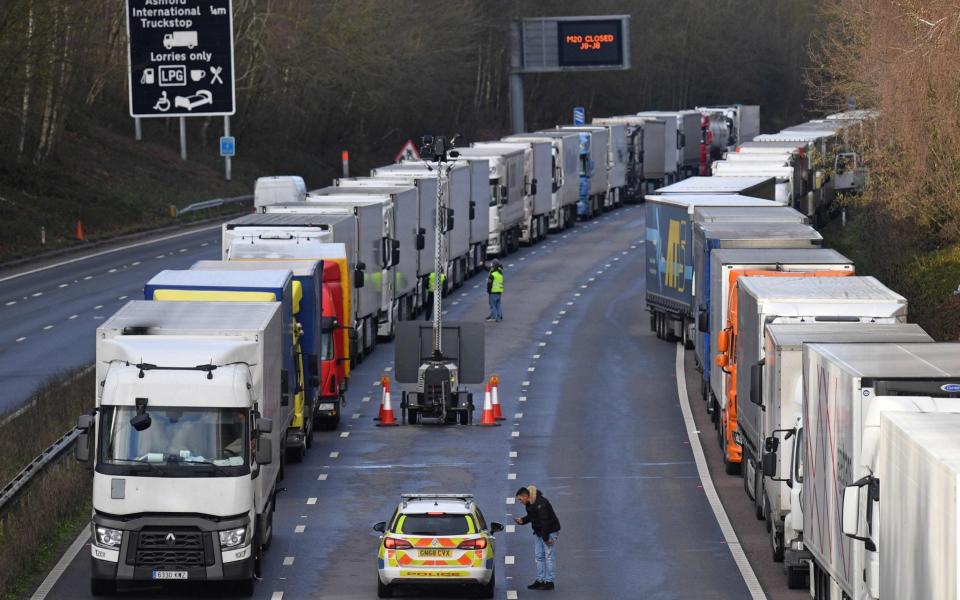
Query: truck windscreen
{"points": [[178, 442]]}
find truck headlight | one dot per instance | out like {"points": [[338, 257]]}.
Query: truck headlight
{"points": [[108, 538], [232, 538]]}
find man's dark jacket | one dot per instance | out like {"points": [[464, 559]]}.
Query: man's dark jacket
{"points": [[540, 515]]}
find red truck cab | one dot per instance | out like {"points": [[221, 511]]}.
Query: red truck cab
{"points": [[333, 354]]}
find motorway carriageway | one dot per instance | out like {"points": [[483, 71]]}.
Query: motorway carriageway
{"points": [[594, 419]]}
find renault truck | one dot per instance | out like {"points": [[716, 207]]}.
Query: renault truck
{"points": [[537, 178], [191, 405], [505, 202], [564, 187]]}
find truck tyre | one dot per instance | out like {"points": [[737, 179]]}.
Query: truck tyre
{"points": [[797, 578], [776, 547], [487, 591], [102, 587], [311, 427], [384, 590]]}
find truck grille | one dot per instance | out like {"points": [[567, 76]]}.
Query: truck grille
{"points": [[166, 547]]}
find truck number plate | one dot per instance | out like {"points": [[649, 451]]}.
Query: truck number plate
{"points": [[436, 553], [169, 574]]}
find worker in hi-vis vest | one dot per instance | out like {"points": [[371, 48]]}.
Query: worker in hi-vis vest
{"points": [[431, 287], [495, 290]]}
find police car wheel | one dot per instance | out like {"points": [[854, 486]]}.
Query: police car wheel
{"points": [[487, 591], [384, 590]]}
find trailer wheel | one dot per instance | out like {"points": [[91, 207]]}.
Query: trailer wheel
{"points": [[776, 548]]}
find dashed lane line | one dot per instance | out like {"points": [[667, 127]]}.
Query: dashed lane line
{"points": [[299, 528], [288, 560], [57, 572], [311, 500], [322, 477], [729, 535], [20, 339], [334, 454], [513, 454], [345, 434], [276, 596], [508, 559]]}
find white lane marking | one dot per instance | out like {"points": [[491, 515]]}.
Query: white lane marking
{"points": [[513, 454], [455, 302], [522, 399], [600, 272], [510, 528], [606, 266], [576, 295], [514, 434], [591, 280], [531, 369], [159, 256], [98, 307], [37, 294], [58, 569], [122, 298], [88, 278], [512, 594], [476, 286], [511, 475], [555, 322], [616, 258], [276, 596], [563, 312], [388, 369], [63, 285], [569, 303], [536, 356], [510, 265], [135, 263], [112, 271], [508, 559], [334, 454], [322, 477], [517, 415], [583, 287], [365, 399], [48, 327], [11, 303], [355, 416], [542, 344], [746, 571], [72, 317], [548, 332], [288, 560], [511, 500], [345, 434], [182, 250], [311, 500], [525, 384], [20, 339], [299, 528], [205, 244], [523, 258]]}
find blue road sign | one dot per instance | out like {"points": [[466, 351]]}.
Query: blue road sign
{"points": [[579, 115], [228, 145]]}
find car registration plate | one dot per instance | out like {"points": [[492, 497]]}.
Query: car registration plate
{"points": [[436, 553], [169, 574]]}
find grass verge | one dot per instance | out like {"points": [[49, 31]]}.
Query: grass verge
{"points": [[37, 526]]}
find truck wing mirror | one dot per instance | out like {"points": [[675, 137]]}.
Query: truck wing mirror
{"points": [[352, 334], [448, 220], [533, 188], [395, 253], [702, 321], [328, 324], [358, 277], [503, 193], [83, 448], [723, 343], [756, 383], [769, 464], [264, 450], [853, 497], [421, 239]]}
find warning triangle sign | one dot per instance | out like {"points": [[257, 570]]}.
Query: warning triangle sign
{"points": [[408, 152]]}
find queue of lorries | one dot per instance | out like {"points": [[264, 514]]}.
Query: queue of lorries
{"points": [[223, 371], [842, 419]]}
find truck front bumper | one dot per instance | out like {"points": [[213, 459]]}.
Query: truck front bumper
{"points": [[327, 407], [194, 554]]}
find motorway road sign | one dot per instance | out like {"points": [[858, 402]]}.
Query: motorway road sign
{"points": [[180, 58], [408, 152], [228, 145]]}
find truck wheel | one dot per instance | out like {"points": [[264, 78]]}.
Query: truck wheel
{"points": [[312, 426], [413, 416], [384, 590], [797, 578], [102, 587], [776, 547]]}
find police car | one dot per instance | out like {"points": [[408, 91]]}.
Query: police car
{"points": [[436, 539]]}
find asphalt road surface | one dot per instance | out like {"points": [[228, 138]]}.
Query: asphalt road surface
{"points": [[48, 317], [593, 419]]}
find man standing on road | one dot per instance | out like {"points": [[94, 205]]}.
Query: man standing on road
{"points": [[546, 528], [495, 290], [431, 288]]}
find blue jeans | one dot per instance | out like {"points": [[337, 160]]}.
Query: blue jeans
{"points": [[546, 557], [495, 312]]}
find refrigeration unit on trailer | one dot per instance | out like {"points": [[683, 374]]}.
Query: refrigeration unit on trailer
{"points": [[919, 496], [743, 260], [458, 192], [755, 187], [789, 186], [775, 404], [709, 237], [593, 169], [278, 189], [537, 178], [565, 186], [506, 203], [766, 297], [190, 411], [688, 134], [669, 256], [847, 387], [280, 233]]}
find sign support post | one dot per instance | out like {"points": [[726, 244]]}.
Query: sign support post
{"points": [[516, 78], [227, 166], [183, 138], [137, 129]]}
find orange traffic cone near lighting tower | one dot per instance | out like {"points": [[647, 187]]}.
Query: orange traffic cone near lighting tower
{"points": [[386, 411], [488, 419], [494, 387]]}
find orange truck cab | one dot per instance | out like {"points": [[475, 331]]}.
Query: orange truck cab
{"points": [[334, 358], [727, 360]]}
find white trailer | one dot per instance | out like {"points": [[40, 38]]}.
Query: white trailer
{"points": [[608, 156], [506, 205], [788, 177], [191, 413], [920, 476], [565, 183], [687, 140], [739, 123], [618, 162], [846, 388], [278, 189], [537, 178], [636, 144], [479, 213], [290, 225], [756, 187], [778, 398]]}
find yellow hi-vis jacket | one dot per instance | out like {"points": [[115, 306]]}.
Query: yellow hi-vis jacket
{"points": [[496, 282], [432, 281]]}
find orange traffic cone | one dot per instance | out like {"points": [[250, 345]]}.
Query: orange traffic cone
{"points": [[495, 385], [488, 420], [80, 236], [386, 417]]}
